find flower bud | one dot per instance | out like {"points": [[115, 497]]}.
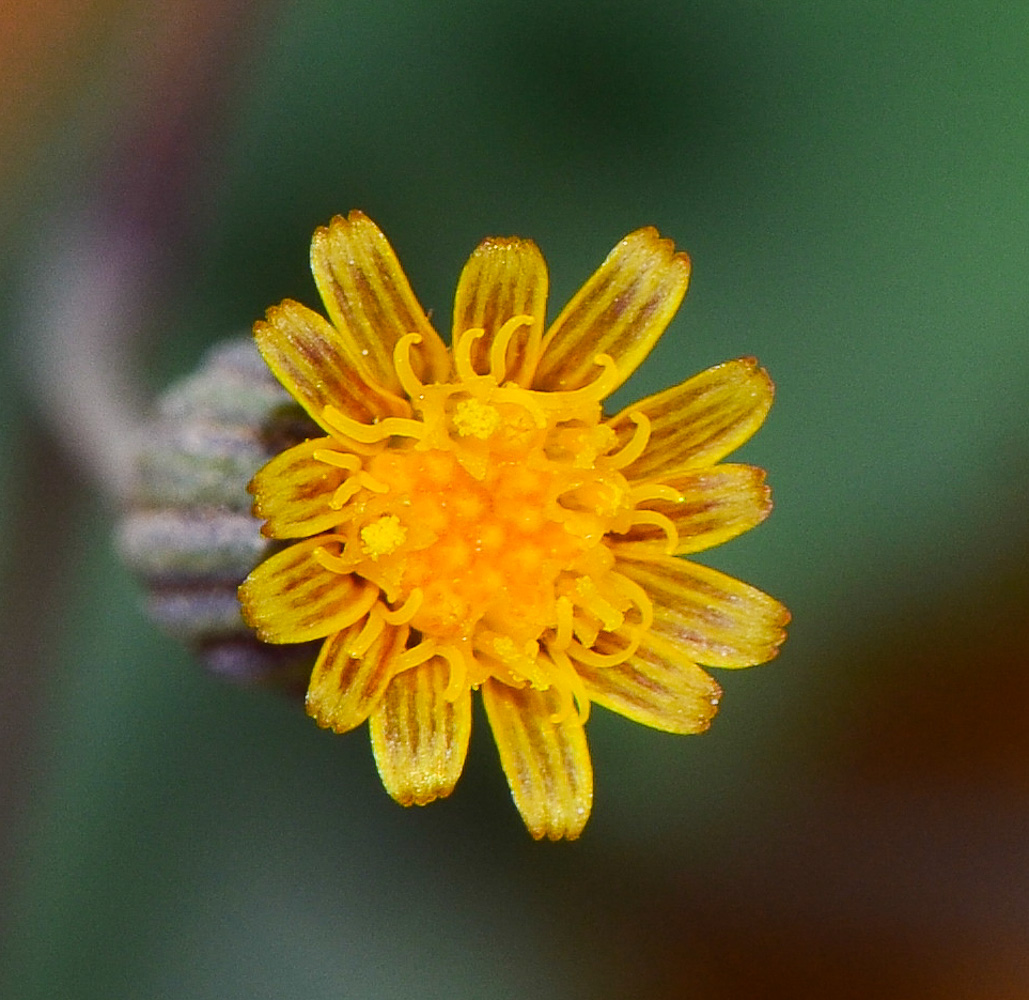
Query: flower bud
{"points": [[188, 532]]}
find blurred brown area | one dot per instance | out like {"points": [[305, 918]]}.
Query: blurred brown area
{"points": [[903, 872], [951, 700]]}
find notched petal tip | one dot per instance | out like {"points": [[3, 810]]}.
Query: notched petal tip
{"points": [[753, 367], [647, 239], [342, 225]]}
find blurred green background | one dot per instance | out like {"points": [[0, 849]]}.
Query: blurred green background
{"points": [[850, 180]]}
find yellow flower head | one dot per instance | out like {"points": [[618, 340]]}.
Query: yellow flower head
{"points": [[471, 520]]}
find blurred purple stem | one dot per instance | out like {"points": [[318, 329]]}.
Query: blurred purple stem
{"points": [[99, 268]]}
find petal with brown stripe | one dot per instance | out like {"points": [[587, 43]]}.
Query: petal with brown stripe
{"points": [[345, 688], [717, 620], [659, 686], [419, 737], [293, 491], [503, 278], [369, 299], [547, 762], [621, 311], [291, 597], [320, 367], [700, 421], [715, 504]]}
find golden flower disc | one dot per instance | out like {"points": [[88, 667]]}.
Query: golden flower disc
{"points": [[472, 520]]}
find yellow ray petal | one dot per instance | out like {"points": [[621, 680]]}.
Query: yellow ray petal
{"points": [[319, 367], [419, 738], [547, 763], [621, 311], [291, 597], [503, 278], [344, 688], [700, 421], [659, 686], [368, 297], [718, 503], [294, 489], [718, 621]]}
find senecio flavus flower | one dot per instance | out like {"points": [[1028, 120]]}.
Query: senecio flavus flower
{"points": [[471, 519]]}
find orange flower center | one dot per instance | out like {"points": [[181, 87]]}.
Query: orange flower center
{"points": [[483, 518], [483, 550]]}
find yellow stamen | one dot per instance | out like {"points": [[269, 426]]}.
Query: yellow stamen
{"points": [[563, 633], [333, 563], [590, 598], [457, 681], [636, 595], [463, 354], [522, 662], [594, 392], [372, 433], [498, 350], [659, 521], [570, 687], [373, 628], [412, 385], [654, 491], [344, 492], [637, 443], [383, 536], [337, 459], [519, 397], [473, 418], [407, 610], [369, 482], [415, 656], [504, 646]]}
